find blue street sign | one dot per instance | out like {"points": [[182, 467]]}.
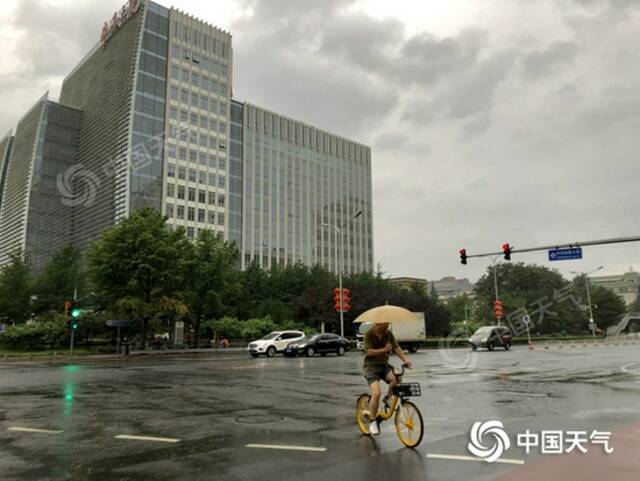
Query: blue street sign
{"points": [[2, 327], [565, 254]]}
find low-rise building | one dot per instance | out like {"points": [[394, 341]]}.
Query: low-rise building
{"points": [[449, 287], [407, 283], [626, 285]]}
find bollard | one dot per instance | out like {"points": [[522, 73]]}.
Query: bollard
{"points": [[546, 344]]}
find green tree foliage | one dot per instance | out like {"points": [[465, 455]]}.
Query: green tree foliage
{"points": [[536, 290], [57, 282], [16, 289], [137, 262], [456, 306], [607, 306], [210, 272], [45, 334]]}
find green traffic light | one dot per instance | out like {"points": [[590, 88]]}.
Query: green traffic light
{"points": [[75, 312], [74, 326]]}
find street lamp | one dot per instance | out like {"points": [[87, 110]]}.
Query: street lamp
{"points": [[586, 283], [466, 332], [339, 231]]}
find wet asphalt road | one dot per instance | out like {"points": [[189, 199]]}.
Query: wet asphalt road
{"points": [[216, 406]]}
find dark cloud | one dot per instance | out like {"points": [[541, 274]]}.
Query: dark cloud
{"points": [[50, 41], [538, 63], [481, 135]]}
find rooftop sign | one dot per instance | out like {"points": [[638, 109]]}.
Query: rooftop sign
{"points": [[119, 18]]}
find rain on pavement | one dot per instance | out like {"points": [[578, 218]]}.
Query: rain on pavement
{"points": [[230, 417]]}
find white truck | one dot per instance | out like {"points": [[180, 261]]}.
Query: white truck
{"points": [[410, 334]]}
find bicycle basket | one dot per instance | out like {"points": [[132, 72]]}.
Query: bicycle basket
{"points": [[407, 389]]}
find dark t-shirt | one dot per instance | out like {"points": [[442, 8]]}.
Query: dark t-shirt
{"points": [[373, 341]]}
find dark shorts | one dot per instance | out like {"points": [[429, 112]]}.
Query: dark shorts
{"points": [[379, 375]]}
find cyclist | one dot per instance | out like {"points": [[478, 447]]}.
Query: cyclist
{"points": [[379, 342]]}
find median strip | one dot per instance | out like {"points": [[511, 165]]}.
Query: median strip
{"points": [[147, 438], [286, 447], [456, 457], [33, 430]]}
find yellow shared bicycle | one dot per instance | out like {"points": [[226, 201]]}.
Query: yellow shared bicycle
{"points": [[408, 419]]}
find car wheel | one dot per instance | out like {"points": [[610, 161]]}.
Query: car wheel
{"points": [[310, 352], [341, 351], [474, 347], [507, 346], [490, 346], [323, 354], [255, 355], [413, 349], [271, 352]]}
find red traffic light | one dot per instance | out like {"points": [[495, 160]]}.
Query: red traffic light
{"points": [[342, 298], [346, 296], [506, 250], [498, 309], [463, 256]]}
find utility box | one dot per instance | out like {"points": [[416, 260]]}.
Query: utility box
{"points": [[178, 334]]}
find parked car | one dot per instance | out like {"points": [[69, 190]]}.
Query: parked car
{"points": [[491, 337], [318, 344], [273, 343]]}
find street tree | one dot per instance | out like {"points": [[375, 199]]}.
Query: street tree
{"points": [[210, 269], [16, 289], [538, 291], [61, 277], [137, 262]]}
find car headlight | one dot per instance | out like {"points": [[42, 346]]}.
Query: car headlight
{"points": [[484, 339]]}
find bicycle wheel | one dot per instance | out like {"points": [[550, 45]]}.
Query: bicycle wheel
{"points": [[409, 425], [362, 404]]}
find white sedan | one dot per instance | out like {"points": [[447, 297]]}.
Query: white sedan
{"points": [[274, 342]]}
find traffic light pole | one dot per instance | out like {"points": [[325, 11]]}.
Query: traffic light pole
{"points": [[339, 229], [340, 286], [495, 281], [75, 298], [615, 240]]}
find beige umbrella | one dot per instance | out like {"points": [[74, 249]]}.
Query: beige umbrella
{"points": [[384, 314]]}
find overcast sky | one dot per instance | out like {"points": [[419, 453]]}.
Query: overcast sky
{"points": [[490, 121]]}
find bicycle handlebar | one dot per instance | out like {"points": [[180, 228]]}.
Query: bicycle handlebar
{"points": [[401, 373]]}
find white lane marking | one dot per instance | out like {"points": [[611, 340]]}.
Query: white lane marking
{"points": [[456, 457], [33, 430], [626, 367], [286, 447], [527, 394], [147, 438]]}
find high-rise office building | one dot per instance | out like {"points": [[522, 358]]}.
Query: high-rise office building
{"points": [[157, 127], [32, 217], [302, 188]]}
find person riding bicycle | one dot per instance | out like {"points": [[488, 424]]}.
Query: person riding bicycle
{"points": [[379, 342]]}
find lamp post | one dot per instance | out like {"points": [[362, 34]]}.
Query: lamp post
{"points": [[586, 283], [340, 265], [495, 279], [466, 331]]}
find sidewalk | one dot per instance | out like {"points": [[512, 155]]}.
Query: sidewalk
{"points": [[63, 356]]}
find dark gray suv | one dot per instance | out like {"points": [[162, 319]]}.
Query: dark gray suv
{"points": [[491, 337]]}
